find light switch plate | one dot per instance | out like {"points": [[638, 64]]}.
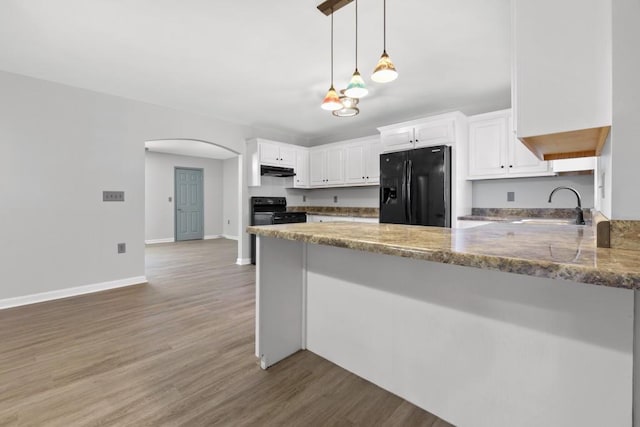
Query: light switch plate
{"points": [[113, 196], [511, 196], [122, 248]]}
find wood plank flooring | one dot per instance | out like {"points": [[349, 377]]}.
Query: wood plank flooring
{"points": [[176, 352]]}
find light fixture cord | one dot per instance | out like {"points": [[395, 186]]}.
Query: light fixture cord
{"points": [[384, 25], [331, 47], [356, 35]]}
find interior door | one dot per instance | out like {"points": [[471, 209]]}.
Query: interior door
{"points": [[189, 204]]}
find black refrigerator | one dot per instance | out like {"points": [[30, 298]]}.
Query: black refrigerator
{"points": [[415, 187]]}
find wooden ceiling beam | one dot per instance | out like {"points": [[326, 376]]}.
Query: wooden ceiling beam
{"points": [[329, 6]]}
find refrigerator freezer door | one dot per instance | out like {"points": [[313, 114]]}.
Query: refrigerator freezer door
{"points": [[393, 188], [430, 190]]}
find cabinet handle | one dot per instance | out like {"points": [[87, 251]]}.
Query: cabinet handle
{"points": [[416, 140], [510, 166], [502, 167], [363, 177], [367, 177]]}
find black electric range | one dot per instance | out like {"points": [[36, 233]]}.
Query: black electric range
{"points": [[268, 211]]}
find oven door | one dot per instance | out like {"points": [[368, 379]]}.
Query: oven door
{"points": [[263, 218]]}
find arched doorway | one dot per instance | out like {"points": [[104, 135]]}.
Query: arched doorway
{"points": [[220, 172]]}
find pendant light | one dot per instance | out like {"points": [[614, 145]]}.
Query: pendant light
{"points": [[349, 106], [385, 71], [356, 87], [331, 101]]}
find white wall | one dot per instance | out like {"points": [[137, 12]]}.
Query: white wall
{"points": [[60, 148], [160, 186], [533, 192], [230, 226], [361, 197], [625, 130]]}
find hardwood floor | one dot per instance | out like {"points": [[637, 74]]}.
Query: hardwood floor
{"points": [[176, 352]]}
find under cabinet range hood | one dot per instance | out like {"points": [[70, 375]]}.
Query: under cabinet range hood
{"points": [[279, 171]]}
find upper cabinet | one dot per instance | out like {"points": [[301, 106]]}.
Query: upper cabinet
{"points": [[277, 154], [561, 76], [438, 130], [301, 180], [272, 153], [362, 161], [495, 152], [326, 166]]}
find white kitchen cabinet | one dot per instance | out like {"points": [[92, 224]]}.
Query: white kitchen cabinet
{"points": [[561, 74], [326, 166], [301, 180], [495, 152], [276, 154], [265, 152], [362, 162], [437, 130]]}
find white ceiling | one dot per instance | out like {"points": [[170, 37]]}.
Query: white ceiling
{"points": [[266, 63], [189, 147]]}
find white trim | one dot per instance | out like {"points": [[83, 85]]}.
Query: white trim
{"points": [[243, 261], [227, 236], [212, 236], [154, 241], [70, 292]]}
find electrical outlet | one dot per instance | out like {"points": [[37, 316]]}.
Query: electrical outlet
{"points": [[122, 248], [304, 198], [511, 196], [228, 221], [335, 199], [170, 199], [113, 196]]}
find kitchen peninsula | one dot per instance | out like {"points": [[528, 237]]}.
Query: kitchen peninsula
{"points": [[504, 324]]}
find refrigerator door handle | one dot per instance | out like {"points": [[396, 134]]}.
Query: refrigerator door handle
{"points": [[404, 191], [409, 184]]}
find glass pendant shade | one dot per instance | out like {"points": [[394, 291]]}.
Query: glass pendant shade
{"points": [[331, 101], [356, 87], [385, 71]]}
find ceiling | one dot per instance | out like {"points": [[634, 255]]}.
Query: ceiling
{"points": [[189, 147], [266, 63]]}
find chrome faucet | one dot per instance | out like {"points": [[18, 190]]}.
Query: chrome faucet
{"points": [[579, 215]]}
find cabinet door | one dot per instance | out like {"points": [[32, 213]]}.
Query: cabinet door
{"points": [[372, 152], [487, 147], [301, 180], [436, 133], [317, 168], [334, 166], [287, 156], [396, 140], [269, 153], [562, 77], [522, 162], [354, 164]]}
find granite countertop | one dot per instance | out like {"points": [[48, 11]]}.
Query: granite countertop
{"points": [[336, 211], [566, 252], [513, 214]]}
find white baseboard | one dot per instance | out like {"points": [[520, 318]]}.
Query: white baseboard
{"points": [[227, 236], [212, 236], [243, 261], [154, 241], [70, 292]]}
